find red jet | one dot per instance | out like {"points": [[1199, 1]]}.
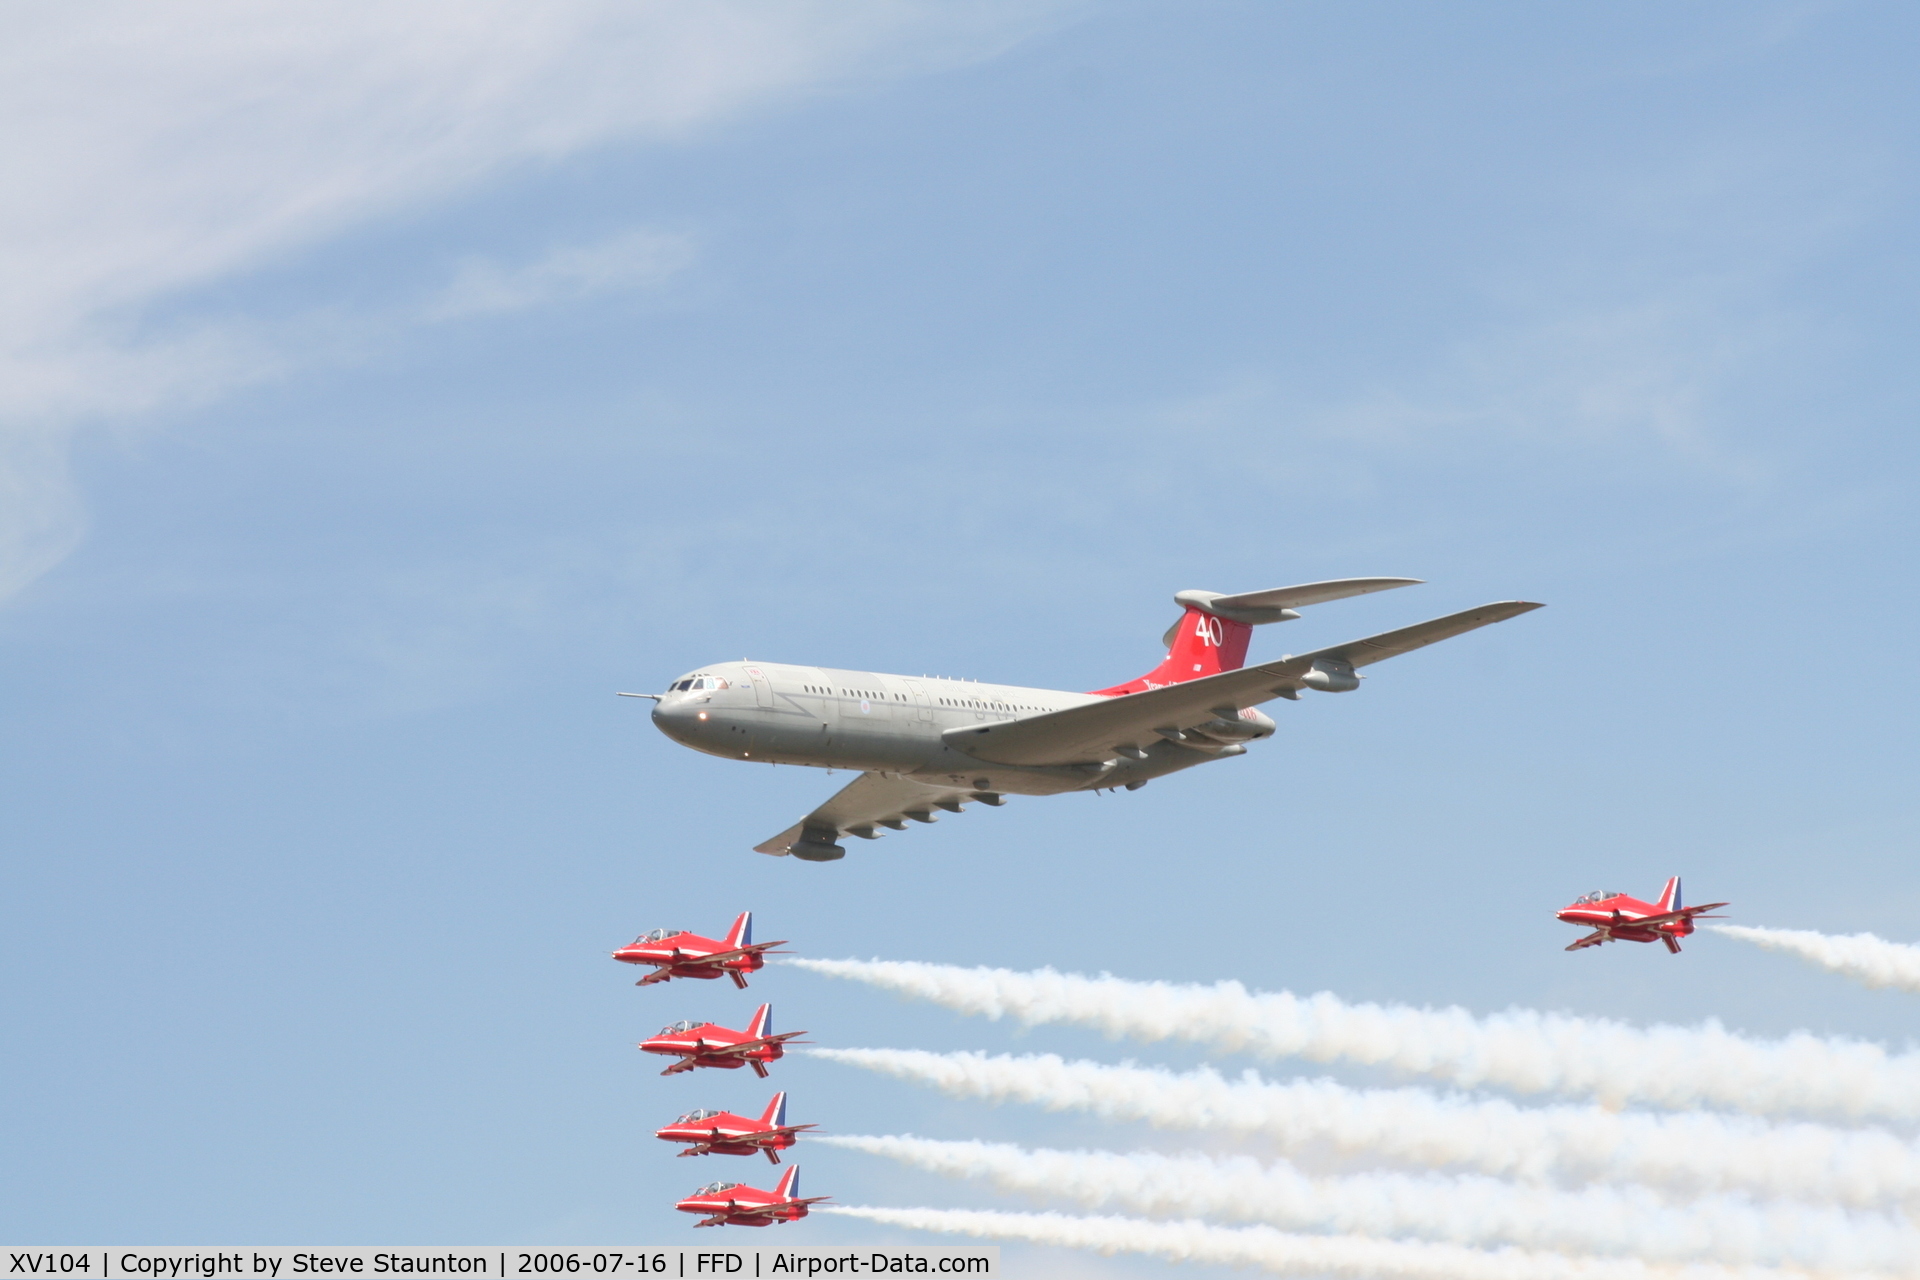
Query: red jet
{"points": [[675, 953], [708, 1044], [728, 1204], [1615, 916], [727, 1134]]}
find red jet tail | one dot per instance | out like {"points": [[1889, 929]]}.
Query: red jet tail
{"points": [[789, 1187], [776, 1113], [741, 935], [1669, 898], [1200, 644], [762, 1024]]}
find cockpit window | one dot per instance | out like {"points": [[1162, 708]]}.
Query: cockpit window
{"points": [[697, 683], [677, 1027], [658, 935], [714, 1188], [691, 1116], [1599, 895]]}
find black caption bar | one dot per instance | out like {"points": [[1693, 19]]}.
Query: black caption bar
{"points": [[175, 1262]]}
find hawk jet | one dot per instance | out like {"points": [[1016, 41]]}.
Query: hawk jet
{"points": [[728, 1204], [1614, 917], [708, 1132], [675, 953], [925, 745], [708, 1044]]}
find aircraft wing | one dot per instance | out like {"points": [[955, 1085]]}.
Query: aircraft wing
{"points": [[1089, 733], [721, 957], [870, 800], [745, 1047], [1670, 917], [1593, 939]]}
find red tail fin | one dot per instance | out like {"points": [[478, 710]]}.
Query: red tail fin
{"points": [[1203, 645], [741, 935], [789, 1188], [762, 1023], [1670, 896], [776, 1113]]}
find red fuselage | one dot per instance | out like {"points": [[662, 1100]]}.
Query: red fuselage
{"points": [[729, 1204], [685, 956], [727, 1134], [724, 1133], [1617, 914], [707, 1044]]}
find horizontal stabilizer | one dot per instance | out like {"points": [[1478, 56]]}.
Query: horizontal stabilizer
{"points": [[1275, 604]]}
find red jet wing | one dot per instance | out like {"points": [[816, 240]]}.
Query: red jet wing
{"points": [[764, 1139]]}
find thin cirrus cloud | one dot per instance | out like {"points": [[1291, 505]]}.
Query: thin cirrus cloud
{"points": [[629, 260], [159, 147]]}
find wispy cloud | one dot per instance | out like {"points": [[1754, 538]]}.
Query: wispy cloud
{"points": [[631, 259], [156, 146]]}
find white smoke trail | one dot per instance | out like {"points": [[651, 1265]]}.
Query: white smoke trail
{"points": [[1867, 959], [1476, 1211], [1690, 1153], [1521, 1049], [1282, 1252]]}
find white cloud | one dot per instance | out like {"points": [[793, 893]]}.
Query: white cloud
{"points": [[631, 259], [158, 145]]}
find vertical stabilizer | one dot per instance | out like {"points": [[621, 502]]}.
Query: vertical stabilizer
{"points": [[741, 935], [776, 1113], [789, 1188], [1670, 896], [1200, 644], [762, 1024]]}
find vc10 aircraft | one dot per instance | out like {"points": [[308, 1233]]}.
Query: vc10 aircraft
{"points": [[923, 744]]}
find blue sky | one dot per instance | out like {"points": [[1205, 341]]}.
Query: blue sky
{"points": [[390, 387]]}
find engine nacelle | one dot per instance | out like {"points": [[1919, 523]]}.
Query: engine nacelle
{"points": [[1247, 726], [815, 849], [1330, 675]]}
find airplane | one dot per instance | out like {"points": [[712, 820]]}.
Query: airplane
{"points": [[728, 1204], [924, 743], [1616, 917], [724, 1133], [708, 1044], [675, 953]]}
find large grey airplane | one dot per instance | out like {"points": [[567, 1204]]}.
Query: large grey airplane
{"points": [[925, 743]]}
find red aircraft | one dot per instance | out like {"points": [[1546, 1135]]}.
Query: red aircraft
{"points": [[1615, 916], [727, 1134], [728, 1204], [708, 1044], [675, 953]]}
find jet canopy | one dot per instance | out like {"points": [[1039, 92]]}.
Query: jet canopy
{"points": [[702, 1114], [1599, 895], [675, 1028], [697, 682], [714, 1188], [658, 935]]}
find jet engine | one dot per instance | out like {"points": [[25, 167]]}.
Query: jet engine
{"points": [[1330, 675], [817, 849], [1247, 726]]}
